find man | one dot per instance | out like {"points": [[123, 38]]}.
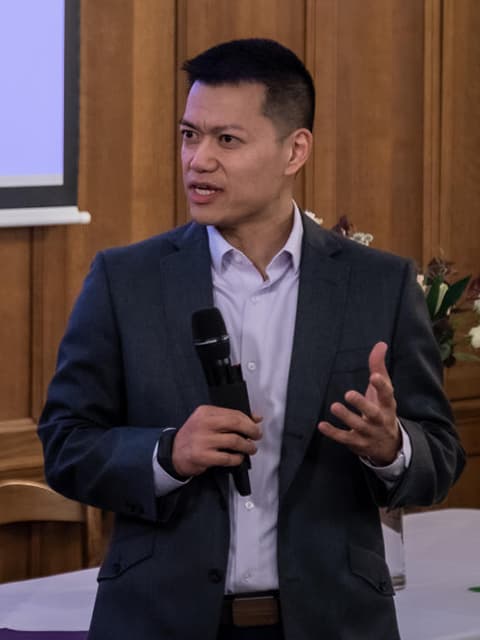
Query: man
{"points": [[343, 375]]}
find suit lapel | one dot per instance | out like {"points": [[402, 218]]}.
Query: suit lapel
{"points": [[186, 288], [320, 309]]}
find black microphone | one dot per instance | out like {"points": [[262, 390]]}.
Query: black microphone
{"points": [[225, 382]]}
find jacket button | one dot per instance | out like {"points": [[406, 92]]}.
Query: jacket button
{"points": [[215, 576]]}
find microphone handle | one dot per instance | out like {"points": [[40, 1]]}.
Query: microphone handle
{"points": [[235, 396]]}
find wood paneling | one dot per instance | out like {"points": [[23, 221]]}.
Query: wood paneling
{"points": [[154, 119], [459, 226], [460, 157], [203, 23], [367, 61], [15, 315], [127, 134], [432, 129]]}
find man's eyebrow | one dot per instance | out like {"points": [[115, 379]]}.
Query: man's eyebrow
{"points": [[216, 129]]}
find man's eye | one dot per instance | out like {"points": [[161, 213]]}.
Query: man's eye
{"points": [[187, 134], [228, 139]]}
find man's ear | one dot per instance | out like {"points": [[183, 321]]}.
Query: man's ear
{"points": [[300, 147]]}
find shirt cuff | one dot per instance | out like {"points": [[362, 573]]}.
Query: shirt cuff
{"points": [[393, 471], [163, 481]]}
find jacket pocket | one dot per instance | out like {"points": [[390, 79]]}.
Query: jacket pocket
{"points": [[126, 553], [372, 568]]}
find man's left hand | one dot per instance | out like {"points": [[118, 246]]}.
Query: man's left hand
{"points": [[374, 434]]}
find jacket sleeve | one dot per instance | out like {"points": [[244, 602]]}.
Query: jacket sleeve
{"points": [[422, 406], [91, 455]]}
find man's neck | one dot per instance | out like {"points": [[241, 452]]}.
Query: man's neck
{"points": [[260, 241]]}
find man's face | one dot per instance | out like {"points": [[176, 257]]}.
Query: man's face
{"points": [[234, 163]]}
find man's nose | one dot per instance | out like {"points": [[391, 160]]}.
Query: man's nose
{"points": [[203, 157]]}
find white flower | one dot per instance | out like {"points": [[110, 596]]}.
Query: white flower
{"points": [[421, 281], [441, 294], [311, 215], [474, 334], [362, 238], [476, 305]]}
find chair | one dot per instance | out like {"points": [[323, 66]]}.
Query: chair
{"points": [[44, 550]]}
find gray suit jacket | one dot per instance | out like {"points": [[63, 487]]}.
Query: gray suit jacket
{"points": [[127, 368]]}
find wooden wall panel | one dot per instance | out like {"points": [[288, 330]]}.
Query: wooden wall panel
{"points": [[154, 119], [127, 127], [367, 61], [460, 157], [459, 204], [432, 128], [15, 329]]}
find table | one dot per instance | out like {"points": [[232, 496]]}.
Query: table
{"points": [[442, 551], [442, 559]]}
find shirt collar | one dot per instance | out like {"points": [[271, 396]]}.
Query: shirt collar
{"points": [[220, 248]]}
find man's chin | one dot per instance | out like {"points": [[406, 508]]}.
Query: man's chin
{"points": [[205, 215]]}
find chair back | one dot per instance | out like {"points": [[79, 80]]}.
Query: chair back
{"points": [[29, 501]]}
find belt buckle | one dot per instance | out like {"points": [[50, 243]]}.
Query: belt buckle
{"points": [[254, 611]]}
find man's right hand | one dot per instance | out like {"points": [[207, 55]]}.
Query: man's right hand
{"points": [[214, 437]]}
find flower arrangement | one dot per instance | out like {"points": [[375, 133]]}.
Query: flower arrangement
{"points": [[345, 228], [446, 299], [443, 295]]}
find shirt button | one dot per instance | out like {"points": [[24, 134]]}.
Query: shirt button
{"points": [[254, 299], [247, 576], [249, 505], [251, 366]]}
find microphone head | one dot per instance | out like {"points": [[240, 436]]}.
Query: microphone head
{"points": [[210, 335]]}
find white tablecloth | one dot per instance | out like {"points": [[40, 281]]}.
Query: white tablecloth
{"points": [[442, 559]]}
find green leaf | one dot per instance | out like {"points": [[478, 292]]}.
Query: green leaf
{"points": [[445, 350], [432, 296], [466, 357], [453, 295]]}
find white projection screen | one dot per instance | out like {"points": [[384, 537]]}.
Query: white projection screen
{"points": [[39, 71]]}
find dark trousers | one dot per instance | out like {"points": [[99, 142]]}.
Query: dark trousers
{"points": [[229, 632]]}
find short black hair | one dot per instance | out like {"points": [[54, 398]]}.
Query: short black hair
{"points": [[290, 93]]}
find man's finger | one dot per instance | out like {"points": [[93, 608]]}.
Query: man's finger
{"points": [[339, 435], [376, 359], [369, 410], [349, 418], [351, 439], [384, 389]]}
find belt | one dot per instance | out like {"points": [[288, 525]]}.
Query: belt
{"points": [[251, 609]]}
